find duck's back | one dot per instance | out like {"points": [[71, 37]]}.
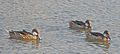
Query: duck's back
{"points": [[97, 34], [79, 22], [15, 34]]}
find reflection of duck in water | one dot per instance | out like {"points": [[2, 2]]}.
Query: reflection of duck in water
{"points": [[105, 37], [24, 35], [79, 25]]}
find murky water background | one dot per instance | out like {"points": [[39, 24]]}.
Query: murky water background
{"points": [[51, 17]]}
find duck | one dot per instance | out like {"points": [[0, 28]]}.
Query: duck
{"points": [[24, 35], [80, 24], [105, 37]]}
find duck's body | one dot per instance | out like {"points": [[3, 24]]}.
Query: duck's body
{"points": [[24, 35], [79, 24], [99, 36]]}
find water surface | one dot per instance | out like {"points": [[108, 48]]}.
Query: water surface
{"points": [[51, 18]]}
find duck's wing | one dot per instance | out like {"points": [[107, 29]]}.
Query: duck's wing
{"points": [[79, 22], [15, 34], [97, 34], [26, 33]]}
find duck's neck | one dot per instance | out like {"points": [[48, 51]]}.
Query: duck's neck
{"points": [[37, 37], [108, 36], [88, 25], [88, 28], [105, 39]]}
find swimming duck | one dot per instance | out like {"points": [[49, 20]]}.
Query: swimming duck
{"points": [[80, 24], [24, 35], [96, 35]]}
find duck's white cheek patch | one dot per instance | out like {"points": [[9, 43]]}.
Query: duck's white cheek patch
{"points": [[86, 24], [108, 39], [34, 33]]}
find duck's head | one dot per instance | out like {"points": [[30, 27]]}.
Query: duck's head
{"points": [[107, 34], [88, 23], [35, 32]]}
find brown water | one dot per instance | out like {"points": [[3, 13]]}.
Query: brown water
{"points": [[51, 17]]}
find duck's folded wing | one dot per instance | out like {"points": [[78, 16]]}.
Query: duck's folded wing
{"points": [[25, 32], [97, 34], [79, 22], [15, 35]]}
